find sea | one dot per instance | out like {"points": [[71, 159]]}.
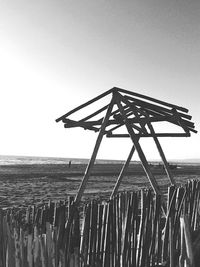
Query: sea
{"points": [[23, 160], [28, 160]]}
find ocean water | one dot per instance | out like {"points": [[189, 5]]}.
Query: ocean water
{"points": [[27, 160], [23, 160]]}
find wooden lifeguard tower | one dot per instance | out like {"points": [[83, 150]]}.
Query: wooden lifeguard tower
{"points": [[136, 114]]}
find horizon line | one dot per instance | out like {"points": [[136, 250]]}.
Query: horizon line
{"points": [[85, 158]]}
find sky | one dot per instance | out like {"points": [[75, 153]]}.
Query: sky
{"points": [[58, 54]]}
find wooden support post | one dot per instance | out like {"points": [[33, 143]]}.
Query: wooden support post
{"points": [[94, 154], [122, 172], [138, 148], [162, 155]]}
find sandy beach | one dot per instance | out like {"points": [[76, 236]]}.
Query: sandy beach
{"points": [[34, 184]]}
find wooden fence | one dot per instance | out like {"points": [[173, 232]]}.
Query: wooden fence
{"points": [[128, 230]]}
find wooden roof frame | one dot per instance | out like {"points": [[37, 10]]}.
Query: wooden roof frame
{"points": [[136, 112]]}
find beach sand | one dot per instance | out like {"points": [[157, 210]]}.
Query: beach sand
{"points": [[34, 184]]}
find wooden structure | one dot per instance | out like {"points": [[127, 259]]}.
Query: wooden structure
{"points": [[136, 114]]}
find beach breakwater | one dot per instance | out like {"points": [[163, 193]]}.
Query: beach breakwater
{"points": [[128, 230]]}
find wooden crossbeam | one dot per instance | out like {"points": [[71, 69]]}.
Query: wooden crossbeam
{"points": [[148, 135], [152, 119], [86, 125]]}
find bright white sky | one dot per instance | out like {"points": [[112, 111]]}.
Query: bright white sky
{"points": [[56, 54]]}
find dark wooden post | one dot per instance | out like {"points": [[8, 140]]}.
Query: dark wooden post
{"points": [[122, 172], [94, 154], [138, 147], [162, 155]]}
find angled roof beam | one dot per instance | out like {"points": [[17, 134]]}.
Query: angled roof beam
{"points": [[151, 99], [135, 111], [144, 104], [95, 113], [122, 123], [85, 104], [173, 119], [168, 117]]}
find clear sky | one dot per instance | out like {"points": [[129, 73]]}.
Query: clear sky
{"points": [[57, 54]]}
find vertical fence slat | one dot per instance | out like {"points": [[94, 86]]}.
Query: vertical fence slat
{"points": [[128, 230]]}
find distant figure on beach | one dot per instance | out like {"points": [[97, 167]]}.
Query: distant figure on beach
{"points": [[70, 163]]}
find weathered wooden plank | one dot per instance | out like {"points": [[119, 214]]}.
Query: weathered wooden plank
{"points": [[150, 99], [170, 118], [188, 243], [94, 154], [124, 99], [85, 104], [149, 135], [119, 179], [138, 148], [85, 125], [155, 107], [138, 113], [162, 155], [155, 118], [94, 114]]}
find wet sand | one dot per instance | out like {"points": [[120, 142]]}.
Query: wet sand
{"points": [[34, 184]]}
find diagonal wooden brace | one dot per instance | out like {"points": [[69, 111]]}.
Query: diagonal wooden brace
{"points": [[120, 177], [138, 148]]}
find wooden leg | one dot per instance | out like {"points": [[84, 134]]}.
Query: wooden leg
{"points": [[162, 155], [122, 172], [94, 154], [139, 150]]}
